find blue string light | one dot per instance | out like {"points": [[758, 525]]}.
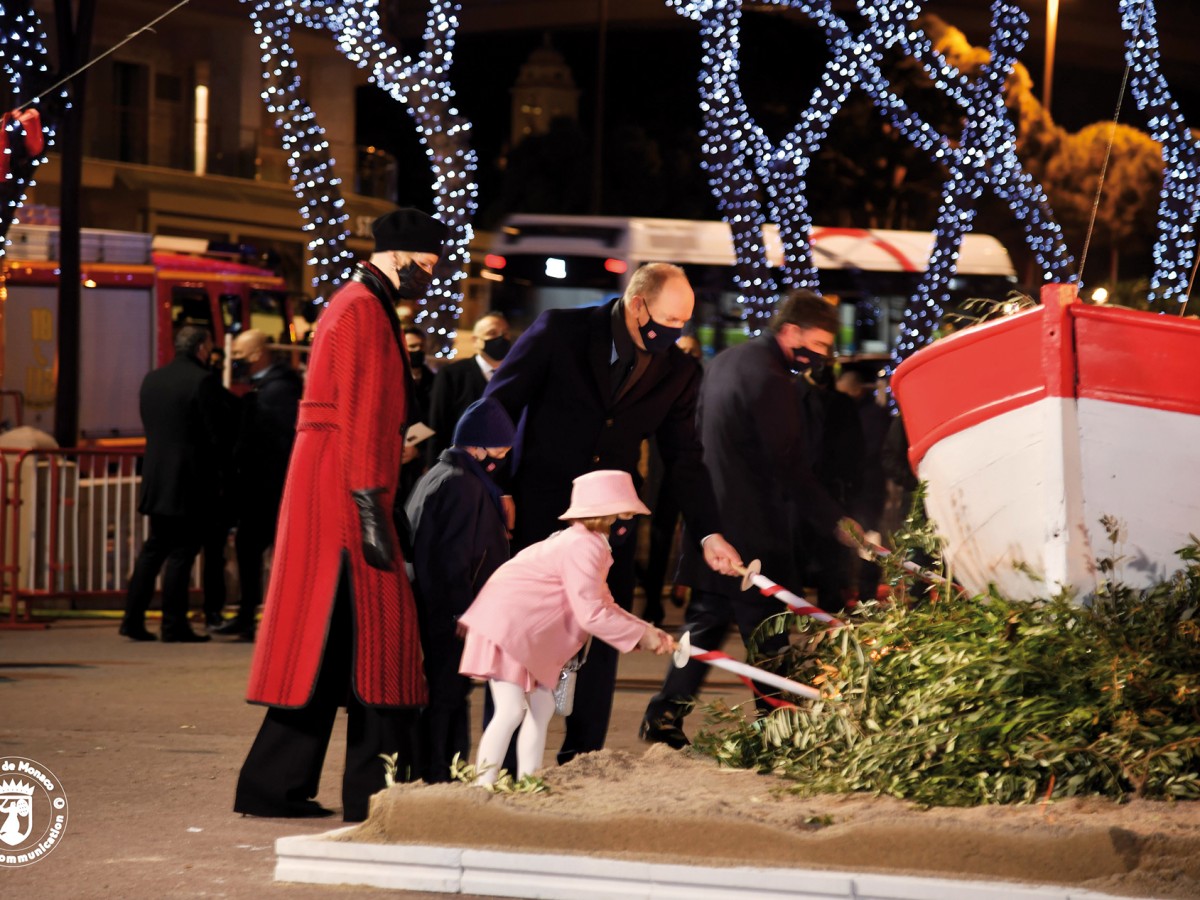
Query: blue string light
{"points": [[755, 181], [1179, 203], [422, 86], [24, 58]]}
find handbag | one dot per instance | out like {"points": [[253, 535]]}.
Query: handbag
{"points": [[564, 691]]}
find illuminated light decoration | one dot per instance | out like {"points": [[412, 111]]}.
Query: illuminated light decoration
{"points": [[310, 163], [555, 267], [25, 64], [422, 86], [1179, 204], [755, 181]]}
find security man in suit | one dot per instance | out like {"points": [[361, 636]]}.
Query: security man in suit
{"points": [[183, 409], [592, 383], [753, 428], [462, 382]]}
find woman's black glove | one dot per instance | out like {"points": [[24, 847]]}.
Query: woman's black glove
{"points": [[377, 549]]}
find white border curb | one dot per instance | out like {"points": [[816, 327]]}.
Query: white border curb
{"points": [[314, 859]]}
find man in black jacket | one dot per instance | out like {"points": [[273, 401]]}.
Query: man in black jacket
{"points": [[260, 457], [753, 429], [182, 412], [592, 383], [462, 382]]}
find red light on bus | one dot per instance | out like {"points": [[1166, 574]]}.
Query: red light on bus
{"points": [[616, 266], [495, 261]]}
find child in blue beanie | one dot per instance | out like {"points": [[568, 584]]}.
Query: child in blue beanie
{"points": [[459, 538]]}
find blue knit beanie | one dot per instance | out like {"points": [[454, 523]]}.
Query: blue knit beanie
{"points": [[485, 423]]}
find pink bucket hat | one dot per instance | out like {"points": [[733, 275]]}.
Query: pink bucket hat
{"points": [[604, 493]]}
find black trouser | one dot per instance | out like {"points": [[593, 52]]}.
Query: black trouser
{"points": [[446, 721], [255, 533], [283, 768], [216, 539], [587, 726], [171, 548], [707, 620]]}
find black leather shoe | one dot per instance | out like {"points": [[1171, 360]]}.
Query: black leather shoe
{"points": [[657, 733], [186, 637], [297, 809], [232, 627], [136, 632], [213, 622]]}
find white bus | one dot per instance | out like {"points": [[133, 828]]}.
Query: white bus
{"points": [[541, 262]]}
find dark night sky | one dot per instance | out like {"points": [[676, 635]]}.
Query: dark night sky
{"points": [[652, 66]]}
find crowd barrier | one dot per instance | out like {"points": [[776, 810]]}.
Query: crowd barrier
{"points": [[69, 527]]}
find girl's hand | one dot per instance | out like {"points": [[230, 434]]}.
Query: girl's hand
{"points": [[657, 640]]}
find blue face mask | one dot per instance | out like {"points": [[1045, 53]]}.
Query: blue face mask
{"points": [[619, 532], [658, 338]]}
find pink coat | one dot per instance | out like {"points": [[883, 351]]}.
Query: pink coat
{"points": [[540, 606]]}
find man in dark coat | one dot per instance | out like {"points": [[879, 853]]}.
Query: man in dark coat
{"points": [[339, 625], [261, 454], [588, 386], [752, 427], [462, 382], [459, 540], [182, 411]]}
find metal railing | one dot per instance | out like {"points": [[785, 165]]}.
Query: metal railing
{"points": [[69, 526]]}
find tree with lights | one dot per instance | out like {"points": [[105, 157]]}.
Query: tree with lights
{"points": [[756, 181], [422, 85]]}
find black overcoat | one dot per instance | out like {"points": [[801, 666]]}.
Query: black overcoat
{"points": [[556, 383], [266, 436], [186, 414], [455, 387], [752, 426]]}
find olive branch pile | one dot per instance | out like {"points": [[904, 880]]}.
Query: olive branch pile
{"points": [[957, 700]]}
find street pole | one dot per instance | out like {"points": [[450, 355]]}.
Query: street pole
{"points": [[1051, 40]]}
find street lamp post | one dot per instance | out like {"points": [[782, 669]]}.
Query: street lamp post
{"points": [[1051, 39]]}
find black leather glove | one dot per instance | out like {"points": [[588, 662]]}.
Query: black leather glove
{"points": [[377, 549]]}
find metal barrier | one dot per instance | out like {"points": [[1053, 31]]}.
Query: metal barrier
{"points": [[69, 526]]}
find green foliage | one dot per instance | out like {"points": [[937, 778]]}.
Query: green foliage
{"points": [[460, 770], [979, 700]]}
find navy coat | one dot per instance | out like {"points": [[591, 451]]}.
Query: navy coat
{"points": [[555, 382], [459, 540], [753, 428]]}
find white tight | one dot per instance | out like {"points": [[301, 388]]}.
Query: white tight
{"points": [[514, 708]]}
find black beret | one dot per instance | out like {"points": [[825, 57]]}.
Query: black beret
{"points": [[409, 230]]}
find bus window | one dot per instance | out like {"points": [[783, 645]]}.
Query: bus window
{"points": [[534, 283], [231, 312], [189, 306], [268, 314]]}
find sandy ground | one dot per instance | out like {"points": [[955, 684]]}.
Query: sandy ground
{"points": [[147, 740]]}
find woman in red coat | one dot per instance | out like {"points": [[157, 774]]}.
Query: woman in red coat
{"points": [[339, 623]]}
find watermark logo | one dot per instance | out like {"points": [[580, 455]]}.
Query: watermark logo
{"points": [[33, 811]]}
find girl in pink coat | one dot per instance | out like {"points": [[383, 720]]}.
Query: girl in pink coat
{"points": [[535, 613]]}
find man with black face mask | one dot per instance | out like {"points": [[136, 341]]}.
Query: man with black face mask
{"points": [[462, 382], [591, 384], [339, 625], [753, 430]]}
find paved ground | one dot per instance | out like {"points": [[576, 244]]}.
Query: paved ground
{"points": [[147, 739]]}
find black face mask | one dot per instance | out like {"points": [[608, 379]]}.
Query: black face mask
{"points": [[497, 348], [416, 358], [239, 370], [619, 532], [658, 338], [414, 282], [807, 360]]}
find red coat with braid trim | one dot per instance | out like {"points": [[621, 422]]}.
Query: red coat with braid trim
{"points": [[349, 437]]}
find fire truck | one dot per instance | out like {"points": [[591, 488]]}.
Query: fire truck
{"points": [[138, 291]]}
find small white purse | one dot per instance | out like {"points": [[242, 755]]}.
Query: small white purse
{"points": [[564, 691]]}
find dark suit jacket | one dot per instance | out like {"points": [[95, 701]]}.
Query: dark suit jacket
{"points": [[459, 540], [752, 426], [555, 381], [456, 387], [185, 412], [266, 436]]}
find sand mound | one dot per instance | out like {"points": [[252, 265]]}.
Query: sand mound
{"points": [[666, 806]]}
